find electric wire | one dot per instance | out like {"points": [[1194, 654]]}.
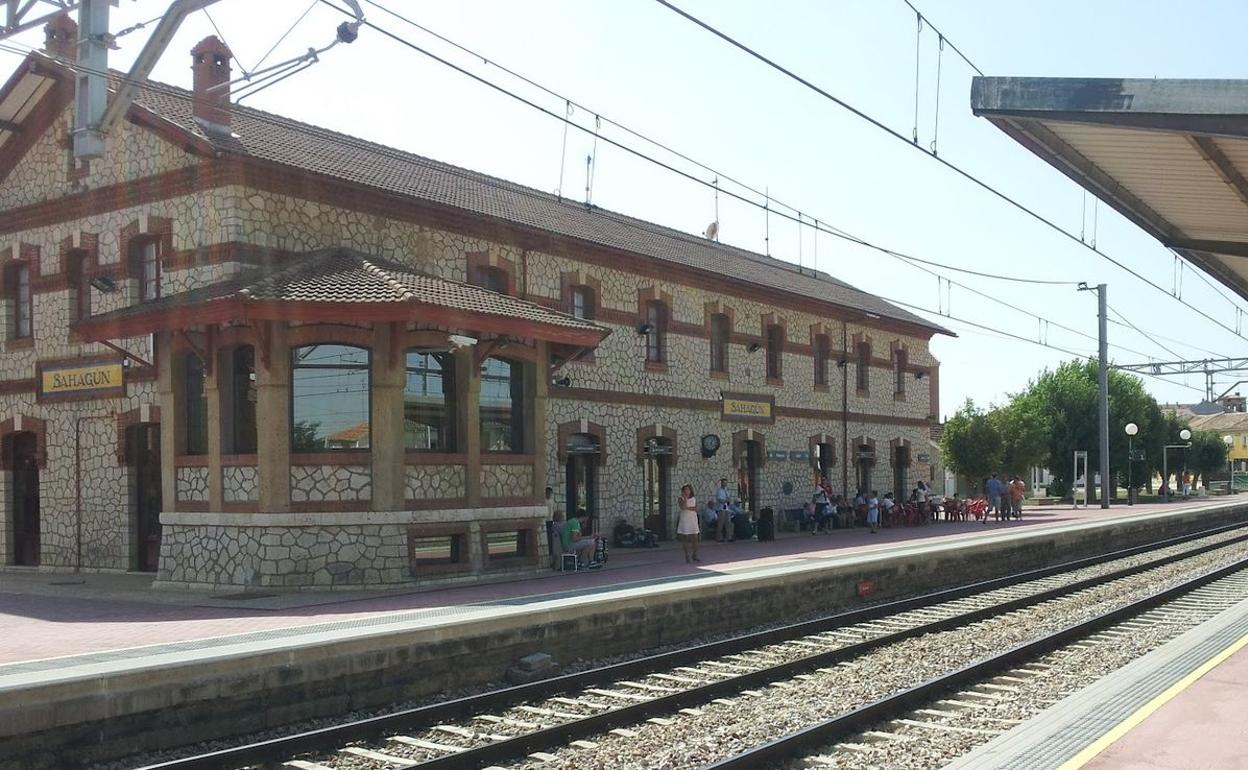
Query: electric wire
{"points": [[1142, 332], [956, 50], [764, 194], [295, 124], [943, 161], [285, 35]]}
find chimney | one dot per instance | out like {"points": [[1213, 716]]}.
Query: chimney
{"points": [[210, 62], [61, 37]]}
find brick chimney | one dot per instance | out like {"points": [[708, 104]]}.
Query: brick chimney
{"points": [[210, 63], [61, 37]]}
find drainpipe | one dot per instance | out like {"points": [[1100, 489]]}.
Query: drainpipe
{"points": [[78, 483]]}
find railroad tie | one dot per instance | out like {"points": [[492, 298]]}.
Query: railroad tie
{"points": [[419, 743], [299, 764], [377, 756]]}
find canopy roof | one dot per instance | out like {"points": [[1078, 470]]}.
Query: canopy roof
{"points": [[1170, 155], [345, 285]]}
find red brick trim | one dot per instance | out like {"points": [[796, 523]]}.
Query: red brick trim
{"points": [[567, 429], [24, 424], [738, 446], [127, 419], [668, 434]]}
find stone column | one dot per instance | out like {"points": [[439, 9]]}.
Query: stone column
{"points": [[471, 377], [212, 392], [541, 389], [165, 383], [387, 447], [273, 420]]}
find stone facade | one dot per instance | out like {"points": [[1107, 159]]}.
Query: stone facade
{"points": [[348, 535], [330, 483], [434, 482]]}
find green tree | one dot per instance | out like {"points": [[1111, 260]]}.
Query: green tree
{"points": [[1023, 430], [971, 445], [305, 438], [1207, 455]]}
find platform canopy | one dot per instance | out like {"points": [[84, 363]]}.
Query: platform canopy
{"points": [[1170, 155]]}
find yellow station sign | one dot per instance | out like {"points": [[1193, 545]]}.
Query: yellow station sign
{"points": [[85, 380], [744, 409]]}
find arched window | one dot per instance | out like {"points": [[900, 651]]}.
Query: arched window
{"points": [[329, 398], [582, 303], [145, 267], [864, 366], [79, 266], [899, 371], [721, 330], [775, 351], [194, 406], [429, 402], [823, 351], [502, 408], [238, 400], [17, 287], [656, 333], [487, 277]]}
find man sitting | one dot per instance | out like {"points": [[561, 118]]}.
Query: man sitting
{"points": [[573, 542]]}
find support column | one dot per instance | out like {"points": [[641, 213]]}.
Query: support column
{"points": [[541, 391], [273, 418], [165, 382], [389, 379], [212, 392], [471, 377]]}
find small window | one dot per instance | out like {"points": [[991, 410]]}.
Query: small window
{"points": [[823, 351], [79, 266], [145, 266], [656, 334], [238, 400], [509, 544], [437, 551], [194, 406], [329, 398], [721, 330], [502, 406], [775, 351], [864, 366], [429, 413], [582, 303], [18, 285], [487, 277], [899, 371]]}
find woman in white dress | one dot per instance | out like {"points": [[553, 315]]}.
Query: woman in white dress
{"points": [[688, 529]]}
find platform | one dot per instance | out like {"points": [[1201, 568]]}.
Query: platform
{"points": [[109, 658], [1181, 707]]}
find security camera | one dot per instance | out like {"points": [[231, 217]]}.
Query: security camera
{"points": [[458, 341]]}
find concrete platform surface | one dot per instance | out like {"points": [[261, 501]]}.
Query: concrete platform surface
{"points": [[1181, 707], [48, 615]]}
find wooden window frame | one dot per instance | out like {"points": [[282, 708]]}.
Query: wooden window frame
{"points": [[719, 344], [22, 309], [822, 354], [452, 403], [657, 314], [863, 367], [291, 405], [458, 533], [774, 336]]}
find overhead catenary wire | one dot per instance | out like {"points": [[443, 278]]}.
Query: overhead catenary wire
{"points": [[942, 160], [935, 29], [799, 219], [764, 194], [285, 35]]}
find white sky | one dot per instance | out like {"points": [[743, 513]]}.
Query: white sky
{"points": [[641, 65]]}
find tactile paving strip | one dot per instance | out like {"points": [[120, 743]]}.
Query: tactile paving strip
{"points": [[1063, 730]]}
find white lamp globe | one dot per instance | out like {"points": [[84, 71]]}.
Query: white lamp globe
{"points": [[1132, 429], [1228, 440], [1185, 434]]}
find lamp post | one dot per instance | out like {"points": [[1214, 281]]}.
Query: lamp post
{"points": [[1131, 429], [1184, 435], [1229, 440]]}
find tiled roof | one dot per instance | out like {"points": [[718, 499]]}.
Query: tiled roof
{"points": [[281, 140], [346, 276]]}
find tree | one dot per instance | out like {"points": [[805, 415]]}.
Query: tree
{"points": [[305, 438], [1207, 455], [1023, 431], [971, 445]]}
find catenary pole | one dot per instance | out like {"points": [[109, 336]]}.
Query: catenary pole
{"points": [[1103, 395]]}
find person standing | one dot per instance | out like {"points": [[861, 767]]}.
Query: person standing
{"points": [[873, 511], [994, 497], [823, 518], [687, 528], [723, 524], [1018, 490]]}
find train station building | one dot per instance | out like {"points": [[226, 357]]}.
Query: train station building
{"points": [[245, 351]]}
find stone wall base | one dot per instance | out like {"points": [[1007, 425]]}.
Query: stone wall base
{"points": [[332, 551]]}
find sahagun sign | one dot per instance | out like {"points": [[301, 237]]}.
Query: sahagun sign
{"points": [[81, 380]]}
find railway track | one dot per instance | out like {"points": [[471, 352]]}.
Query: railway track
{"points": [[947, 716], [572, 715]]}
